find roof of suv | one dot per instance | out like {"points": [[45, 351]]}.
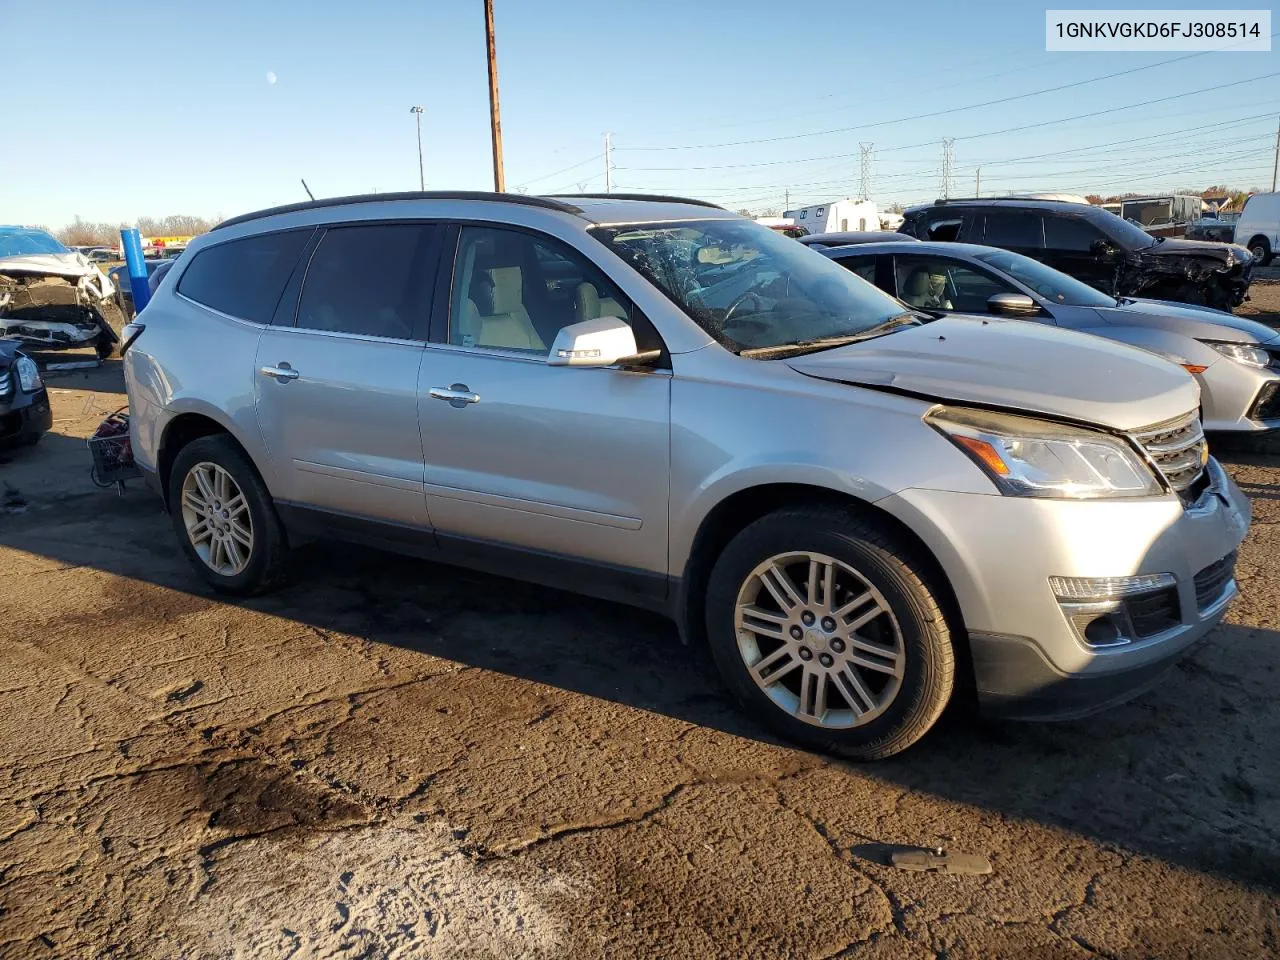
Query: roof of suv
{"points": [[1062, 206], [593, 207]]}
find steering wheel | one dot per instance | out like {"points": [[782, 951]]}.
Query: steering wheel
{"points": [[733, 307]]}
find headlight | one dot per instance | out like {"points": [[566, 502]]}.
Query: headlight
{"points": [[1244, 353], [1026, 457], [29, 375]]}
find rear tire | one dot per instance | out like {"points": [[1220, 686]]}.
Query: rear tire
{"points": [[1261, 250], [867, 712], [244, 510]]}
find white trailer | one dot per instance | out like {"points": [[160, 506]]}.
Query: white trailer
{"points": [[837, 216]]}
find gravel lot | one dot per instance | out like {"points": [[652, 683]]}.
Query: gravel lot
{"points": [[395, 759]]}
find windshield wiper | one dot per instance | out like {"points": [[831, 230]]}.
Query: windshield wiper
{"points": [[812, 344]]}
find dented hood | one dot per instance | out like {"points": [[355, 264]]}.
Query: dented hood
{"points": [[1016, 365]]}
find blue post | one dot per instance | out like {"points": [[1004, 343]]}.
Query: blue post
{"points": [[131, 241]]}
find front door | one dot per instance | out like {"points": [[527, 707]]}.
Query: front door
{"points": [[1072, 245], [571, 462], [337, 392]]}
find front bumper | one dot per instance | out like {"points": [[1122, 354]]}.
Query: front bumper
{"points": [[24, 416], [1239, 399], [999, 553]]}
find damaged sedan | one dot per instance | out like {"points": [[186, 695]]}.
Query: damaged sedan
{"points": [[1091, 244], [52, 298]]}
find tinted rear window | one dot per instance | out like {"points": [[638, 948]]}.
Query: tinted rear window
{"points": [[244, 278]]}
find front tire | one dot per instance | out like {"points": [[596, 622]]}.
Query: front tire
{"points": [[224, 517], [824, 627]]}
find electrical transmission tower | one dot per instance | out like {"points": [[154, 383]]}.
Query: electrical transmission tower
{"points": [[948, 165], [864, 162]]}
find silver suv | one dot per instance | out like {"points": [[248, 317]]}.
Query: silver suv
{"points": [[659, 402]]}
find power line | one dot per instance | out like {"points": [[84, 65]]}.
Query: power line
{"points": [[971, 136], [942, 113], [556, 173]]}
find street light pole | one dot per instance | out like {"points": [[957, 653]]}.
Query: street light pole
{"points": [[422, 180], [495, 123]]}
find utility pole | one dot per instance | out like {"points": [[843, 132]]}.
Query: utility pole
{"points": [[1275, 166], [786, 205], [422, 180], [495, 122], [864, 163], [948, 165], [608, 165], [977, 183]]}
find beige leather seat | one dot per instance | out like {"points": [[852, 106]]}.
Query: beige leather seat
{"points": [[916, 290], [508, 327], [591, 306]]}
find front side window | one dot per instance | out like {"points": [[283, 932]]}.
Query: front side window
{"points": [[864, 267], [515, 291], [1014, 229], [937, 283], [748, 287], [1070, 234], [371, 280], [244, 278], [1053, 285]]}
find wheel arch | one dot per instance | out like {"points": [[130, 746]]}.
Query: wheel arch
{"points": [[183, 429], [741, 508]]}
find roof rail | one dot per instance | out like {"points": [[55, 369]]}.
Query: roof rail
{"points": [[520, 198], [654, 197]]}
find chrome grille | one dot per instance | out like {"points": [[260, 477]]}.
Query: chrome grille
{"points": [[6, 383], [1177, 447]]}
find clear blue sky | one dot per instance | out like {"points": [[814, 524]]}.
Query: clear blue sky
{"points": [[212, 136]]}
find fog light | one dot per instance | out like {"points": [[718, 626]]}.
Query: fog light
{"points": [[1095, 589], [1103, 631]]}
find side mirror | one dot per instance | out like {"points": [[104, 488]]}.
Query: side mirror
{"points": [[593, 343], [1102, 248], [1012, 305]]}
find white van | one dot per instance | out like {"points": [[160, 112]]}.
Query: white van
{"points": [[836, 216], [1259, 226]]}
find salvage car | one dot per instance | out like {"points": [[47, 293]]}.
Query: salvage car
{"points": [[52, 298], [1093, 245], [1236, 361], [657, 401], [25, 414]]}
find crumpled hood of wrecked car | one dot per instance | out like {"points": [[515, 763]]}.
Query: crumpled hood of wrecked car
{"points": [[1228, 254], [70, 265], [1016, 365]]}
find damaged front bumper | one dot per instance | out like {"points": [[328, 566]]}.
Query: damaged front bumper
{"points": [[56, 302], [1216, 277]]}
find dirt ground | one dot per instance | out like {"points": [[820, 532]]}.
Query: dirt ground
{"points": [[390, 758]]}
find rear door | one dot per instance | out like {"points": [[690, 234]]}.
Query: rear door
{"points": [[1017, 230], [336, 379], [870, 268]]}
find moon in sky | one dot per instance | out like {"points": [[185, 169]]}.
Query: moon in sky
{"points": [[271, 76]]}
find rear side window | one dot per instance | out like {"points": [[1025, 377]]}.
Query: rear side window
{"points": [[1014, 230], [244, 278], [374, 280], [1069, 233]]}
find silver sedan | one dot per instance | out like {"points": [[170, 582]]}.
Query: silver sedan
{"points": [[1235, 361]]}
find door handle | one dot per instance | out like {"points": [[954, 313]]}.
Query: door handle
{"points": [[282, 372], [458, 395]]}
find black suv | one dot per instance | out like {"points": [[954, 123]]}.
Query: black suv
{"points": [[1093, 245]]}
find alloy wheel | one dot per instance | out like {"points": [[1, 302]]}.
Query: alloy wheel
{"points": [[217, 519], [819, 640]]}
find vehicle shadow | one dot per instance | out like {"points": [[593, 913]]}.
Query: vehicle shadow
{"points": [[1185, 773], [107, 378]]}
